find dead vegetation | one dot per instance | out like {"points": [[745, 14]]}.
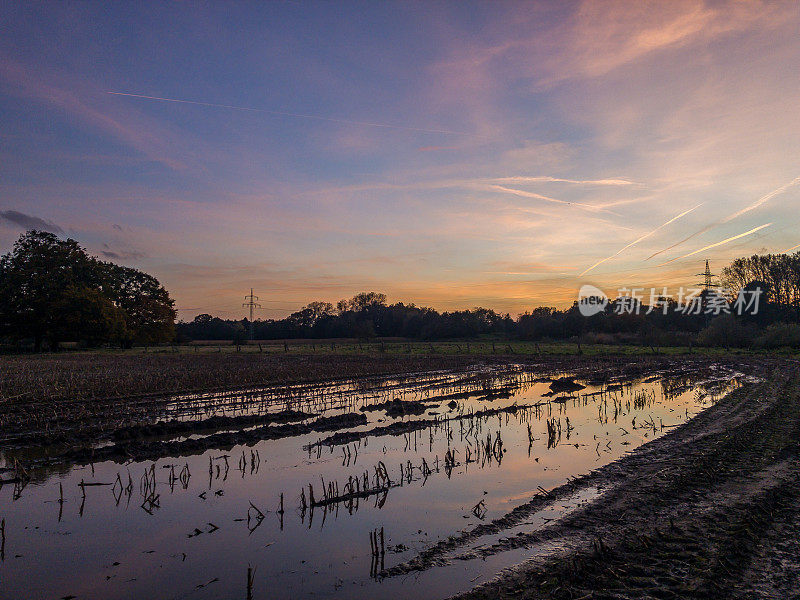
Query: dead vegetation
{"points": [[51, 398]]}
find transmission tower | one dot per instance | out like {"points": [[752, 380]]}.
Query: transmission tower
{"points": [[707, 283], [252, 305], [708, 278]]}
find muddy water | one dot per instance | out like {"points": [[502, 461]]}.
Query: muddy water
{"points": [[189, 527]]}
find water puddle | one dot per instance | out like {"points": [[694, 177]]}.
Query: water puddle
{"points": [[323, 513]]}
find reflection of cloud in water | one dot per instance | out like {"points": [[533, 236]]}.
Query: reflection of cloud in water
{"points": [[438, 473]]}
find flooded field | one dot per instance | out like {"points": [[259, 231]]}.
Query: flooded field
{"points": [[324, 491]]}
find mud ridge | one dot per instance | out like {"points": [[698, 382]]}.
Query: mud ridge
{"points": [[153, 450], [401, 427]]}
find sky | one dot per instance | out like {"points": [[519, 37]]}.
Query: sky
{"points": [[450, 154]]}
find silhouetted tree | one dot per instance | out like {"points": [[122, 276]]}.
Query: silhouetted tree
{"points": [[149, 311], [86, 314], [52, 290]]}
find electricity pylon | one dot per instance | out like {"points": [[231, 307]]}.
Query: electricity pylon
{"points": [[252, 305], [708, 278], [707, 283]]}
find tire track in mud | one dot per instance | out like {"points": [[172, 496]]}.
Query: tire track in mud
{"points": [[682, 516]]}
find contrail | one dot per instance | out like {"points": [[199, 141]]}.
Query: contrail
{"points": [[645, 236], [525, 194], [725, 241], [764, 199], [548, 179], [754, 205], [686, 239], [790, 249], [291, 114]]}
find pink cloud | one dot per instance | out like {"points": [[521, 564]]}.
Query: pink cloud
{"points": [[87, 104]]}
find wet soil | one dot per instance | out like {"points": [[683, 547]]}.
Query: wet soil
{"points": [[39, 409], [709, 510], [403, 427], [399, 408], [49, 399], [152, 450]]}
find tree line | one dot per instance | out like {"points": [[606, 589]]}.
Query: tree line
{"points": [[376, 318], [365, 315], [773, 279], [52, 291]]}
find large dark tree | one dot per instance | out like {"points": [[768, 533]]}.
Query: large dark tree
{"points": [[149, 311], [52, 291]]}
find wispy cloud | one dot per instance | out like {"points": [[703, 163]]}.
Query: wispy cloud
{"points": [[122, 255], [762, 200], [282, 113], [604, 36], [765, 198], [79, 100], [29, 221], [640, 239], [725, 241], [535, 196], [119, 254], [436, 148], [549, 179]]}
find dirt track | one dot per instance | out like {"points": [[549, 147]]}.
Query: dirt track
{"points": [[710, 510]]}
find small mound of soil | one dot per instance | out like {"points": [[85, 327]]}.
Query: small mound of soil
{"points": [[398, 408], [565, 384]]}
